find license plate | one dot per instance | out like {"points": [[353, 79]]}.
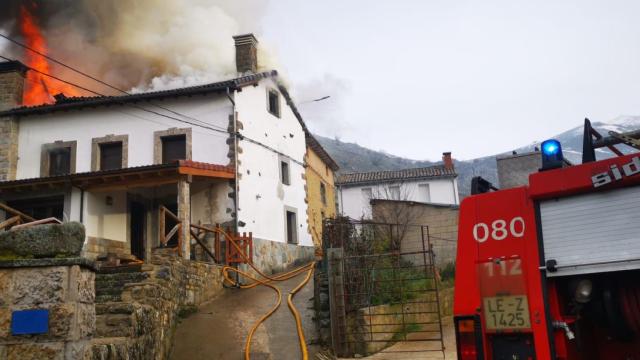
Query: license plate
{"points": [[506, 312]]}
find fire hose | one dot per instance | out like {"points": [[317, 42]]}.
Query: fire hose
{"points": [[255, 282]]}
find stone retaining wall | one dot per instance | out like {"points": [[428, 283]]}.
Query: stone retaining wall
{"points": [[64, 287], [272, 257], [150, 310]]}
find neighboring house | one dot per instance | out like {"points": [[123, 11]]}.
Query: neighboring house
{"points": [[112, 162], [433, 184], [321, 195], [439, 226], [514, 169]]}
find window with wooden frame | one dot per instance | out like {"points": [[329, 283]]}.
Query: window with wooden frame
{"points": [[291, 227], [323, 194], [174, 148], [109, 152], [273, 102], [171, 145], [285, 172], [58, 158]]}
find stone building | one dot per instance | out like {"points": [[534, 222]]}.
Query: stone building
{"points": [[321, 195], [434, 184], [440, 222], [231, 152]]}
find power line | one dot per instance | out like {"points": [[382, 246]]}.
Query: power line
{"points": [[207, 126]]}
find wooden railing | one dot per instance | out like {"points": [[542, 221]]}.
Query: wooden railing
{"points": [[238, 246], [17, 219], [165, 237]]}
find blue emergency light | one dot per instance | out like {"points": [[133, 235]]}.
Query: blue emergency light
{"points": [[552, 157]]}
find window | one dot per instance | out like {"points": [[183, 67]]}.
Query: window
{"points": [[58, 158], [111, 156], [423, 193], [323, 194], [174, 148], [109, 152], [292, 233], [394, 192], [60, 161], [273, 102], [284, 172], [41, 208]]}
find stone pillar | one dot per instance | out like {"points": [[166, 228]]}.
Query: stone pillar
{"points": [[12, 76], [184, 214]]}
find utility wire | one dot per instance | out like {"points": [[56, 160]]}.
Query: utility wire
{"points": [[91, 77], [206, 126]]}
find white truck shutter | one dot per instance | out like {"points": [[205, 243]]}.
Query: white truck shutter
{"points": [[595, 232]]}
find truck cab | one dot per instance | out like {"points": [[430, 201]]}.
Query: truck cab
{"points": [[551, 269]]}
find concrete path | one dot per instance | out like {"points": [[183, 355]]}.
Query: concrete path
{"points": [[219, 329]]}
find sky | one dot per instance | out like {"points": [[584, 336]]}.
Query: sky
{"points": [[417, 78]]}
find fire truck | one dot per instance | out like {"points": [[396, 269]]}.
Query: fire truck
{"points": [[551, 269]]}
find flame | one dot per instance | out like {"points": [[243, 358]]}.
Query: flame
{"points": [[38, 88]]}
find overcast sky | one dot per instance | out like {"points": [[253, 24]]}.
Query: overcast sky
{"points": [[416, 78]]}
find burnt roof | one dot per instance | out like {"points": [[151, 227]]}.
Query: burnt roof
{"points": [[437, 171], [69, 103], [80, 102]]}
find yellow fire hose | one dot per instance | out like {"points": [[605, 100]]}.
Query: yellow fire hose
{"points": [[281, 277]]}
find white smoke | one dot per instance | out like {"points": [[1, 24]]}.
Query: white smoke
{"points": [[147, 45]]}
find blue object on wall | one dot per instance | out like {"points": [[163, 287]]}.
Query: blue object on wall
{"points": [[29, 322]]}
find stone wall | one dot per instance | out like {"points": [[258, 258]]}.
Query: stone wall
{"points": [[441, 221], [272, 257], [374, 328], [66, 291], [142, 325], [95, 247]]}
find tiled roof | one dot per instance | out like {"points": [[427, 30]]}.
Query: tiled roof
{"points": [[67, 103], [119, 172], [396, 175]]}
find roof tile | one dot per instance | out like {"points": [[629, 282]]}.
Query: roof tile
{"points": [[396, 175]]}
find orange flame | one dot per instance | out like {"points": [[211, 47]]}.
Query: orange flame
{"points": [[38, 88]]}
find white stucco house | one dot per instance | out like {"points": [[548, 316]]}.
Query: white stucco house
{"points": [[229, 153], [432, 185]]}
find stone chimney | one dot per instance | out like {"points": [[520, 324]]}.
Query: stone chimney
{"points": [[246, 53], [12, 76], [447, 160]]}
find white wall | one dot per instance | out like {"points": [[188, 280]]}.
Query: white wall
{"points": [[352, 201], [262, 196], [83, 125], [106, 221]]}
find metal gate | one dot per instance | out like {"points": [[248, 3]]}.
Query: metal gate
{"points": [[383, 290]]}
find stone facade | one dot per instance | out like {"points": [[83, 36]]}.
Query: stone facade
{"points": [[441, 221], [95, 247], [8, 148], [142, 324], [272, 257], [65, 290]]}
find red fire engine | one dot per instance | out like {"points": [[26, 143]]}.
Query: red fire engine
{"points": [[551, 270]]}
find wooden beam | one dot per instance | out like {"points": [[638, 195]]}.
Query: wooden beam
{"points": [[16, 212], [133, 183], [206, 173]]}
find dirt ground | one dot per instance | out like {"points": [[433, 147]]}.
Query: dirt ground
{"points": [[219, 330]]}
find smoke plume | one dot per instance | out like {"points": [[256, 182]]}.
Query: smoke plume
{"points": [[139, 44]]}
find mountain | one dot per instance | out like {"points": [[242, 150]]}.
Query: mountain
{"points": [[355, 158]]}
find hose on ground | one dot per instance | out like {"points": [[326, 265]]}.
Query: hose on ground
{"points": [[310, 267]]}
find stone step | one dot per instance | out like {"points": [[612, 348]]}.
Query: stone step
{"points": [[114, 308], [101, 299], [119, 277]]}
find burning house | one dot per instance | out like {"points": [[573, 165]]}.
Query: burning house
{"points": [[131, 167]]}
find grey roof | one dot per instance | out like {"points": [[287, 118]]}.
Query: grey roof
{"points": [[437, 171], [68, 103]]}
